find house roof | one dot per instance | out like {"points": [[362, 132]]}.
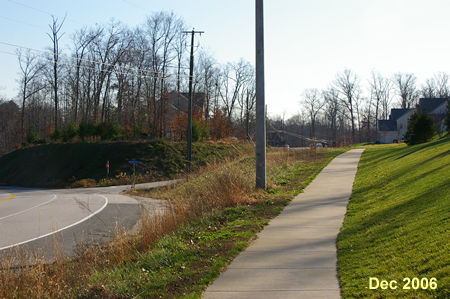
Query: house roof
{"points": [[179, 101], [429, 104], [387, 125], [397, 113]]}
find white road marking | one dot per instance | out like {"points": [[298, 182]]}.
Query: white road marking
{"points": [[26, 210], [66, 227]]}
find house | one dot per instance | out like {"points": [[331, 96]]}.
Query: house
{"points": [[437, 109], [394, 128], [176, 109], [178, 103]]}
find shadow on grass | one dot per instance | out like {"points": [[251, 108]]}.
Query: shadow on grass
{"points": [[401, 152], [396, 171], [415, 148], [392, 217]]}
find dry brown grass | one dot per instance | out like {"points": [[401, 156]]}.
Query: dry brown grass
{"points": [[229, 183], [215, 186], [24, 274]]}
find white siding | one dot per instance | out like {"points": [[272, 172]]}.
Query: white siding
{"points": [[402, 124], [387, 136]]}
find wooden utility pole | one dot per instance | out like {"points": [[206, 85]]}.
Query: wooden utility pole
{"points": [[260, 102], [191, 74]]}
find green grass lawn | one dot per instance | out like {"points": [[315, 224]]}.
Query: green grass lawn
{"points": [[397, 224]]}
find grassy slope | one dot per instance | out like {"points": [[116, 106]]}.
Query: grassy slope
{"points": [[397, 222], [62, 164]]}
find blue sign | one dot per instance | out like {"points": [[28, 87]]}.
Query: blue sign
{"points": [[134, 161]]}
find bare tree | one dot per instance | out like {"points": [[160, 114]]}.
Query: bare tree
{"points": [[172, 26], [347, 83], [82, 40], [379, 92], [130, 77], [107, 52], [406, 88], [359, 104], [31, 69], [313, 103], [180, 48], [234, 75], [332, 108], [247, 100], [205, 72], [250, 101], [55, 27], [9, 127], [442, 85], [436, 87], [428, 89], [154, 30]]}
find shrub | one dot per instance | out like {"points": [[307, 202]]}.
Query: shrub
{"points": [[86, 130], [421, 127], [70, 132], [84, 183], [109, 131], [137, 131], [200, 130], [55, 135], [32, 137]]}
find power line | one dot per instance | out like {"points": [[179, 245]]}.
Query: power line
{"points": [[40, 10], [31, 7], [137, 70], [91, 61], [76, 58], [295, 135], [71, 19], [88, 67], [20, 22]]}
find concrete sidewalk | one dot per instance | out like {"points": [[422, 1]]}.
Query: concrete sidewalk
{"points": [[295, 255]]}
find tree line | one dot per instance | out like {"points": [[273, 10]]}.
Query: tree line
{"points": [[347, 113], [115, 80], [117, 74]]}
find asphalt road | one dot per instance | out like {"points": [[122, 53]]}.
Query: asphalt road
{"points": [[35, 218]]}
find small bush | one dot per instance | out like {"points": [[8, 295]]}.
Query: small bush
{"points": [[70, 132], [55, 135], [32, 137], [109, 131], [86, 130], [84, 183], [200, 130]]}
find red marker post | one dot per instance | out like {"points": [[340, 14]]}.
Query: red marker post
{"points": [[107, 169]]}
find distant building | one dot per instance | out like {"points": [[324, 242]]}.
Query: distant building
{"points": [[394, 128], [437, 109], [176, 110], [178, 103]]}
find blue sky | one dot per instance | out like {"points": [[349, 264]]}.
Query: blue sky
{"points": [[306, 42]]}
